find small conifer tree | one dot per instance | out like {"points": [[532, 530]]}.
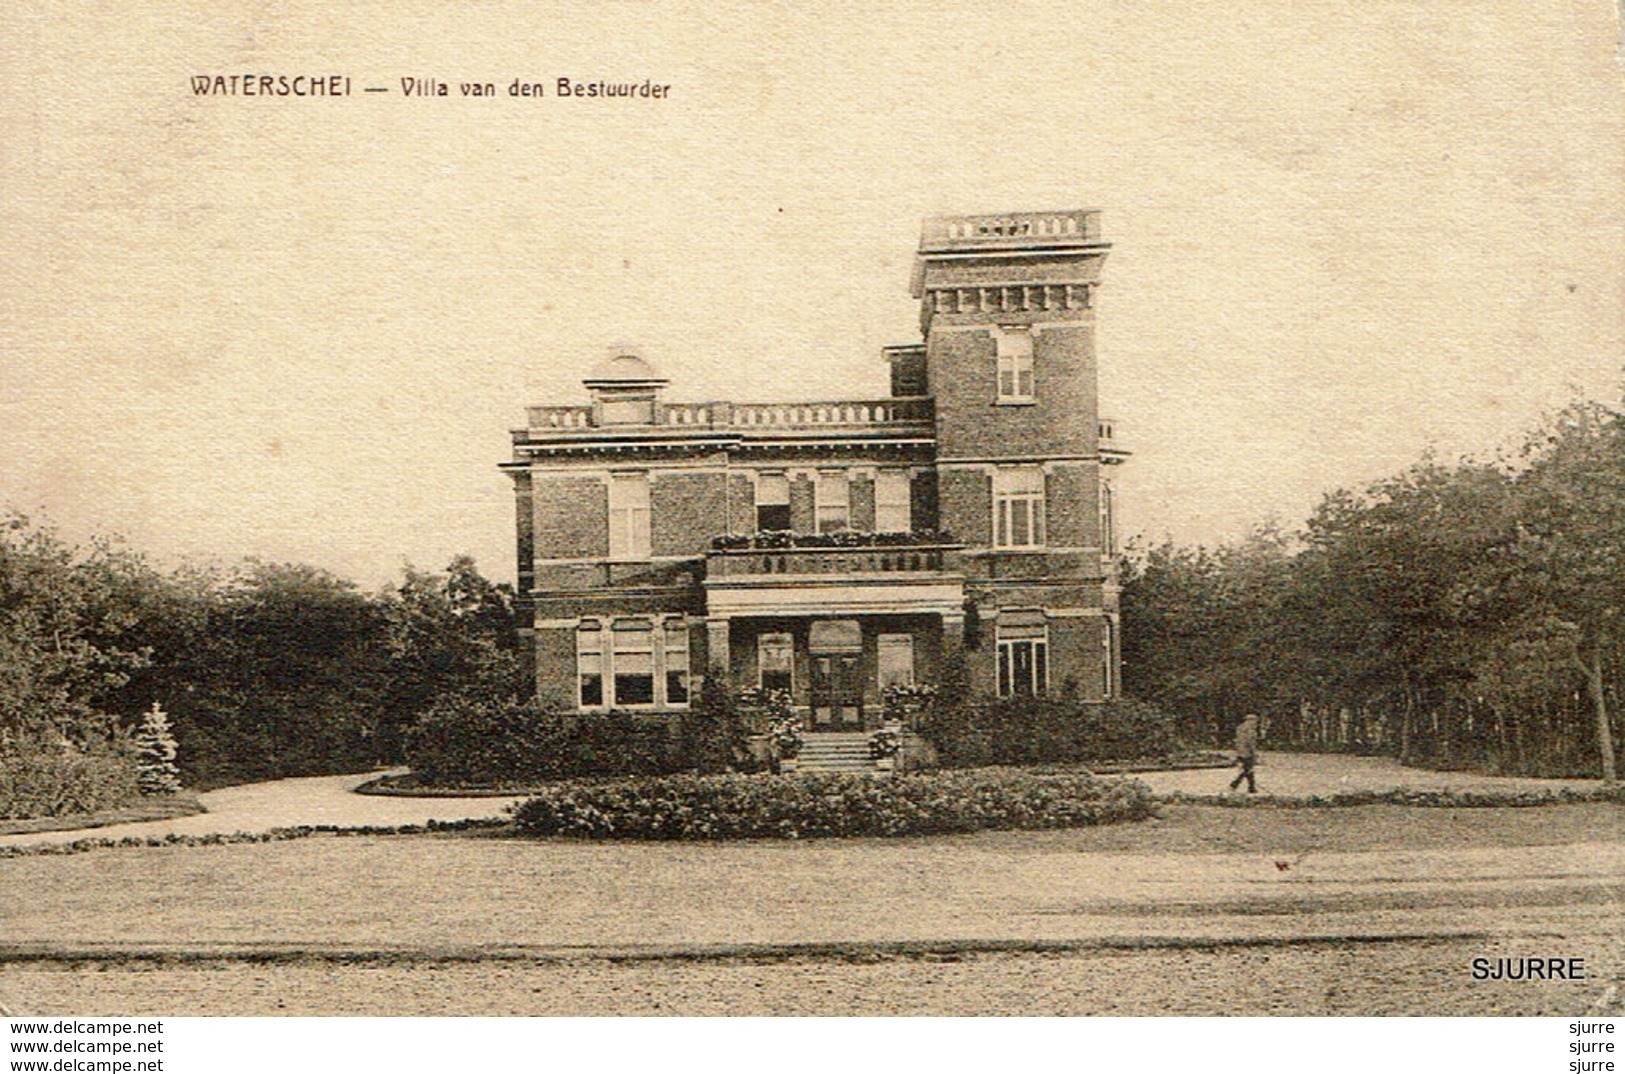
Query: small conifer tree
{"points": [[155, 753]]}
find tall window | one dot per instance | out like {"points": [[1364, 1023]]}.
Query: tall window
{"points": [[1015, 364], [1018, 507], [629, 516], [590, 665], [676, 663], [1108, 645], [892, 502], [633, 662], [772, 502], [775, 656], [896, 659], [833, 501], [1108, 535], [1023, 655]]}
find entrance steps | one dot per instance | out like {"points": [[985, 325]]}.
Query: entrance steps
{"points": [[835, 752]]}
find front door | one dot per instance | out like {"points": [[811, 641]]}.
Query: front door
{"points": [[836, 691]]}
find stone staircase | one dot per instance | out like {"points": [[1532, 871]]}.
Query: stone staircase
{"points": [[835, 752]]}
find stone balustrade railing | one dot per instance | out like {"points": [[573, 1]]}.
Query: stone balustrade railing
{"points": [[793, 561], [1081, 225], [723, 415]]}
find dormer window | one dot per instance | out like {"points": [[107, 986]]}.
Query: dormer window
{"points": [[625, 390], [1014, 348]]}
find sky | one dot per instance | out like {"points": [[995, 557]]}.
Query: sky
{"points": [[300, 329]]}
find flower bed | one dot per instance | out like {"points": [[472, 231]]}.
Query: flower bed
{"points": [[1426, 799], [272, 835], [167, 807], [830, 804], [775, 540]]}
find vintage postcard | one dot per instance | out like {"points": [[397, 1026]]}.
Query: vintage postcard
{"points": [[947, 509]]}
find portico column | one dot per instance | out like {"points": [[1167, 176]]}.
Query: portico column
{"points": [[716, 648], [953, 635]]}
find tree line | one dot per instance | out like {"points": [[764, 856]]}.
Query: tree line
{"points": [[1465, 615], [265, 669]]}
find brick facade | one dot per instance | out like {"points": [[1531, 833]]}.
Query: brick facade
{"points": [[692, 508], [571, 517]]}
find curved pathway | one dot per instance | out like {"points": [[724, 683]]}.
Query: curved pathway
{"points": [[286, 803], [1334, 773]]}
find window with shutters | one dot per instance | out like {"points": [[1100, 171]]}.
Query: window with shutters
{"points": [[1018, 507], [892, 511], [629, 516], [772, 502]]}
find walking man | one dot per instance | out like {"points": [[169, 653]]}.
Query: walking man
{"points": [[1246, 752]]}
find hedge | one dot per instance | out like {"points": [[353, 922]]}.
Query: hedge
{"points": [[830, 804], [43, 780], [1027, 731], [477, 742]]}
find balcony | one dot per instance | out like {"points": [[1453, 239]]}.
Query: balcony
{"points": [[759, 562], [1112, 450], [812, 575]]}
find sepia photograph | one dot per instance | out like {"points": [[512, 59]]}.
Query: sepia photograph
{"points": [[938, 510]]}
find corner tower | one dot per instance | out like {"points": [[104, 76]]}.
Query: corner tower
{"points": [[1007, 307]]}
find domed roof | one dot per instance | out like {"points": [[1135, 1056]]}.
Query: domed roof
{"points": [[624, 367]]}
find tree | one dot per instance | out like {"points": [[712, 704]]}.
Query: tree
{"points": [[63, 644], [1566, 571], [450, 633], [155, 753]]}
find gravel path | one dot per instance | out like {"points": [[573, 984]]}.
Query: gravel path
{"points": [[258, 807], [287, 803], [1331, 773]]}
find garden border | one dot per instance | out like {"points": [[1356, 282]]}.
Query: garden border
{"points": [[168, 807]]}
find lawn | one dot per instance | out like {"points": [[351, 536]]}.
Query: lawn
{"points": [[1363, 910], [1426, 869]]}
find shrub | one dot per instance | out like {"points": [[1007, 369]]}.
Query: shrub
{"points": [[830, 804], [616, 744], [711, 737], [476, 741], [1024, 731], [39, 778]]}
